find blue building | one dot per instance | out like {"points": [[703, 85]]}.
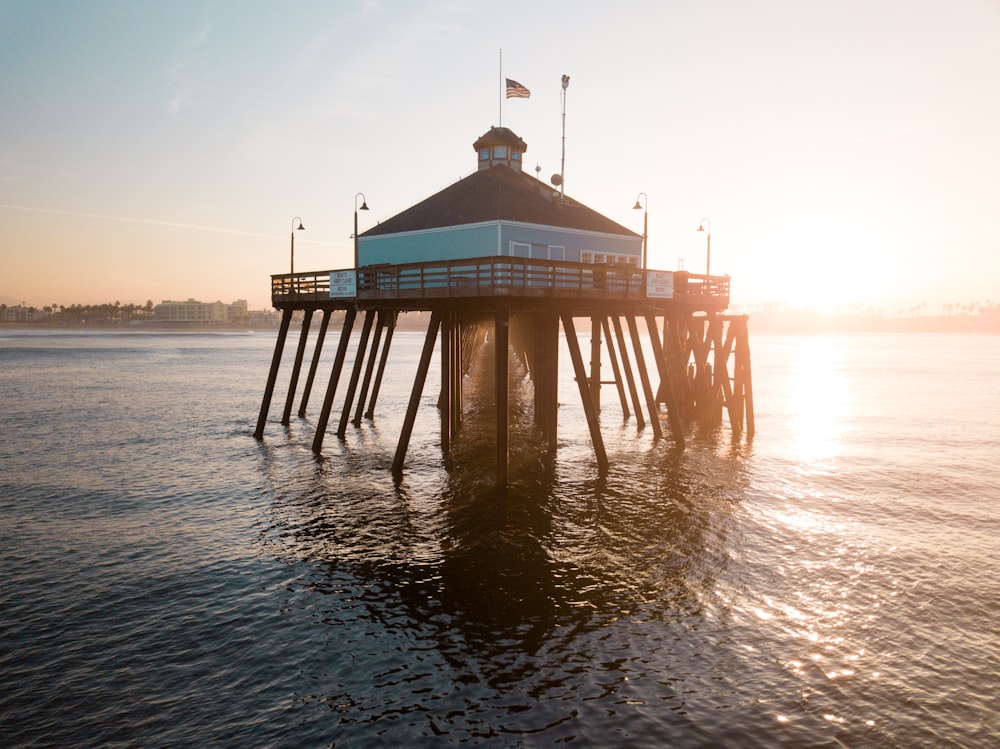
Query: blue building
{"points": [[499, 211]]}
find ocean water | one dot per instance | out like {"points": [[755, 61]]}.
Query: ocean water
{"points": [[168, 581]]}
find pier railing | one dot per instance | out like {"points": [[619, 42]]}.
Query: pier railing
{"points": [[498, 276]]}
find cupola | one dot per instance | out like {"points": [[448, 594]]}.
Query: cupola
{"points": [[500, 145]]}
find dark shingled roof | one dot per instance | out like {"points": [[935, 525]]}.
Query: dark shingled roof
{"points": [[498, 194]]}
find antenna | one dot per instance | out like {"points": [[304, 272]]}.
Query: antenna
{"points": [[562, 167]]}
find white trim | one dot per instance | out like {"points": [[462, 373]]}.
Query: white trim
{"points": [[513, 245]]}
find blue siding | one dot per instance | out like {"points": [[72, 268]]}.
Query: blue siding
{"points": [[474, 240], [491, 239]]}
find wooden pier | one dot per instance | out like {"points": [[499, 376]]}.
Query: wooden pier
{"points": [[700, 368]]}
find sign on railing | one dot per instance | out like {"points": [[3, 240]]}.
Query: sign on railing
{"points": [[343, 284], [660, 284]]}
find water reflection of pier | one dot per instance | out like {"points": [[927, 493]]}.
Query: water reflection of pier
{"points": [[700, 366]]}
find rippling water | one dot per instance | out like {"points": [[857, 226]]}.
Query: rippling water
{"points": [[169, 581]]}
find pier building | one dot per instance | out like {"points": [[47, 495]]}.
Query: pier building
{"points": [[501, 259]]}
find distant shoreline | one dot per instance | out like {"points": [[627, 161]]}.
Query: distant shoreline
{"points": [[773, 323]]}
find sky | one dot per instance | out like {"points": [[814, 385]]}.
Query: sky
{"points": [[844, 153]]}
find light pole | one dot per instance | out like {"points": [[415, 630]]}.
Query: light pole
{"points": [[295, 228], [644, 206], [706, 226], [364, 207]]}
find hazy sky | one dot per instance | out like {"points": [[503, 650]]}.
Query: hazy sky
{"points": [[845, 152]]}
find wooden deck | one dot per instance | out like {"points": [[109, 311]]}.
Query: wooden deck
{"points": [[421, 286]]}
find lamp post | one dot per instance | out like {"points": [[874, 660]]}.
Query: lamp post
{"points": [[295, 228], [364, 207], [706, 226], [644, 206]]}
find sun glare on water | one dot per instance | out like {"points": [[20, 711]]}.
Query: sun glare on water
{"points": [[819, 401]]}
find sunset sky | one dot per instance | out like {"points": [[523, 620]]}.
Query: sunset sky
{"points": [[846, 153]]}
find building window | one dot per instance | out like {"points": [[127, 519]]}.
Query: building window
{"points": [[520, 249], [557, 252], [515, 155], [484, 153], [499, 152], [586, 257]]}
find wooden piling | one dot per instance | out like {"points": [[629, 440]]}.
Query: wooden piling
{"points": [[501, 346], [665, 387], [331, 388], [391, 326], [640, 420], [615, 368], [589, 408], [272, 375], [359, 360], [314, 364], [300, 351], [447, 375], [369, 369], [595, 361], [647, 388], [415, 394]]}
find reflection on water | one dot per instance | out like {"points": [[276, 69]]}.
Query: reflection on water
{"points": [[817, 399], [537, 605], [169, 581]]}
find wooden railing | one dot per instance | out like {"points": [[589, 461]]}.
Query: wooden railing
{"points": [[494, 276]]}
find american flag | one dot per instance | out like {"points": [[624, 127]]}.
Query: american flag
{"points": [[516, 91]]}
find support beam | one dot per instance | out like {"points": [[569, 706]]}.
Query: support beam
{"points": [[366, 382], [391, 320], [272, 375], [640, 420], [418, 389], [501, 346], [447, 375], [331, 388], [647, 389], [595, 361], [588, 402], [300, 352], [359, 362], [314, 364], [666, 390], [613, 355]]}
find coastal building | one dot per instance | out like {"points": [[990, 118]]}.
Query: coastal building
{"points": [[193, 311], [21, 313]]}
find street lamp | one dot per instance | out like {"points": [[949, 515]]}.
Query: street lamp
{"points": [[295, 228], [364, 207], [644, 207], [708, 238]]}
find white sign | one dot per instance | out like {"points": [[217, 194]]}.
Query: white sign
{"points": [[343, 283], [659, 284]]}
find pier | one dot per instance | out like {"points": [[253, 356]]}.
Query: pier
{"points": [[500, 258], [700, 358]]}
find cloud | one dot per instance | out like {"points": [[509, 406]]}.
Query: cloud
{"points": [[178, 77], [155, 222], [133, 220], [200, 36]]}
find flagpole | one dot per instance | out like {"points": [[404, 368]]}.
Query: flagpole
{"points": [[500, 123]]}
